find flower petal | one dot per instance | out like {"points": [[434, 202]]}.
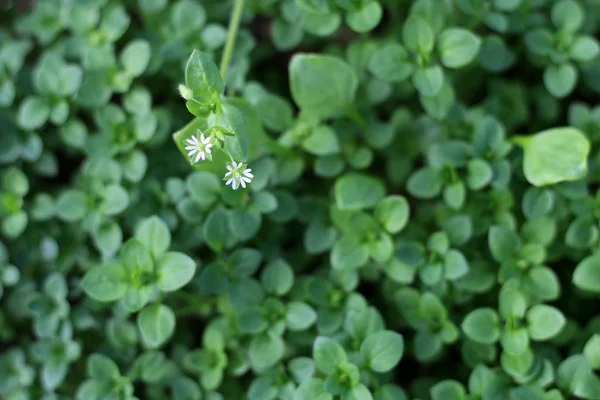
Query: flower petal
{"points": [[198, 156], [227, 174]]}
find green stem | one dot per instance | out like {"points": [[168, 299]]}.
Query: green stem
{"points": [[234, 23]]}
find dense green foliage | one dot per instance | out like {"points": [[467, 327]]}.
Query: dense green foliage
{"points": [[300, 200]]}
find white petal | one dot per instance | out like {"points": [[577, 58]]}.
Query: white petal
{"points": [[191, 147], [198, 156], [244, 179], [248, 174], [191, 153], [206, 141], [229, 168], [194, 140], [236, 166], [203, 155], [243, 184], [227, 174], [202, 137], [235, 185], [207, 149]]}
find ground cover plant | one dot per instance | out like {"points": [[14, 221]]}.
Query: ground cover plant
{"points": [[299, 199]]}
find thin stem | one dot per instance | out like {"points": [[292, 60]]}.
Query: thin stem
{"points": [[234, 23]]}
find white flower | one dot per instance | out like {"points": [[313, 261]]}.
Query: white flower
{"points": [[238, 175], [200, 148]]}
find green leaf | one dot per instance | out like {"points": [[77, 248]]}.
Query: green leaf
{"points": [[503, 243], [428, 80], [156, 324], [322, 141], [366, 18], [584, 49], [33, 113], [391, 63], [425, 183], [357, 191], [418, 35], [115, 200], [204, 188], [174, 271], [153, 233], [348, 254], [560, 80], [265, 351], [592, 351], [358, 392], [202, 76], [328, 355], [448, 390], [277, 277], [479, 174], [136, 56], [555, 155], [232, 120], [216, 230], [72, 205], [482, 325], [312, 389], [458, 47], [587, 274], [382, 350], [105, 282], [136, 258], [108, 238], [393, 213], [322, 86], [544, 322], [455, 265], [567, 15], [299, 316]]}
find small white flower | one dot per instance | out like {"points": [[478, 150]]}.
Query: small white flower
{"points": [[199, 148], [238, 175]]}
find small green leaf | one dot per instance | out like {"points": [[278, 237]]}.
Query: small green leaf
{"points": [[391, 63], [382, 350], [555, 155], [33, 113], [587, 274], [136, 56], [458, 47], [482, 325], [328, 354], [567, 15], [560, 80], [544, 322], [357, 191], [418, 35], [299, 316], [448, 390], [393, 213], [153, 233], [277, 277], [265, 350], [322, 141], [366, 18], [174, 271], [157, 324], [105, 282], [322, 86], [202, 76]]}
